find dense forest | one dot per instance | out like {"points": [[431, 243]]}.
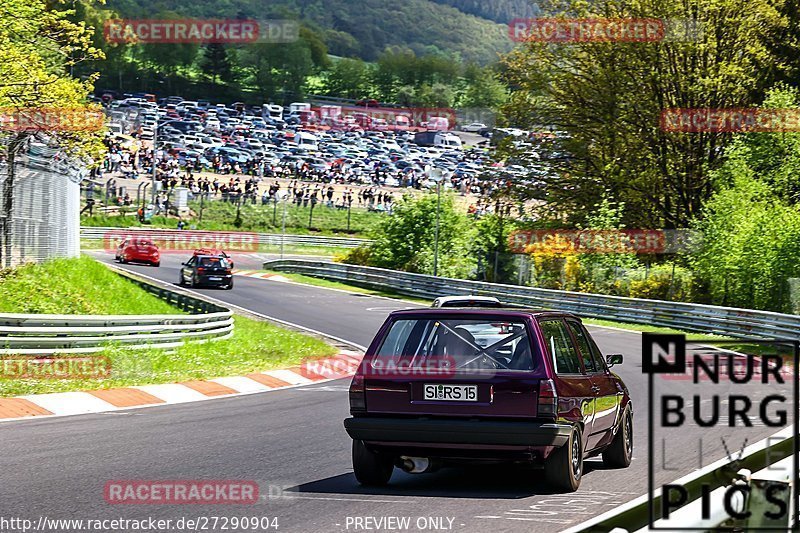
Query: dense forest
{"points": [[364, 29], [502, 11]]}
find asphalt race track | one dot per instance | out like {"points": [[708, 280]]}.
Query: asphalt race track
{"points": [[293, 444]]}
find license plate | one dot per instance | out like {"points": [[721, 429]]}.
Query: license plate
{"points": [[213, 278], [452, 393]]}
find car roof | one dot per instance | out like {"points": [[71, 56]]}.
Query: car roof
{"points": [[467, 297], [510, 312]]}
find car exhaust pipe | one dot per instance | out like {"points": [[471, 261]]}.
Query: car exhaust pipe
{"points": [[415, 465]]}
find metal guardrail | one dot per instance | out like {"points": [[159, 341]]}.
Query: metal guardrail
{"points": [[39, 334], [700, 318], [101, 233]]}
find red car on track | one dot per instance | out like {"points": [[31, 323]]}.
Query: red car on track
{"points": [[138, 251]]}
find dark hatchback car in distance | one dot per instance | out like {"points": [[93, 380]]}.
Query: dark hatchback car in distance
{"points": [[439, 387], [208, 270]]}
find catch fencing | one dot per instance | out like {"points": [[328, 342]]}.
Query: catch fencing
{"points": [[44, 221], [691, 317]]}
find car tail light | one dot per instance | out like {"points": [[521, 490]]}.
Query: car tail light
{"points": [[358, 395], [200, 270], [548, 399]]}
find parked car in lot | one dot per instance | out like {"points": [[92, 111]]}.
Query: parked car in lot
{"points": [[458, 386], [474, 127], [208, 270], [140, 250]]}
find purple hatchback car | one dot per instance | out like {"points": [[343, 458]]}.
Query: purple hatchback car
{"points": [[455, 386]]}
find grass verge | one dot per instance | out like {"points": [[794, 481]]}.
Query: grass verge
{"points": [[84, 286], [255, 346], [79, 286]]}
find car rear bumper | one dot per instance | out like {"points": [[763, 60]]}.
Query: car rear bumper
{"points": [[457, 432], [222, 279]]}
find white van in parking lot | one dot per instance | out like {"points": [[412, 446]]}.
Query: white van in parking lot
{"points": [[307, 141]]}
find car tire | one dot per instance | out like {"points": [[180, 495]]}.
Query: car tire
{"points": [[181, 281], [371, 469], [194, 282], [157, 264], [229, 286], [563, 470], [620, 452], [122, 260]]}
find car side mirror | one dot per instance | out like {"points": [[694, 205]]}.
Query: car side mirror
{"points": [[614, 359], [183, 264]]}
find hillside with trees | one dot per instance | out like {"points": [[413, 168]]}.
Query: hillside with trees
{"points": [[502, 11], [362, 29]]}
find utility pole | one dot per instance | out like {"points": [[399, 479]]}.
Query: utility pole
{"points": [[436, 175]]}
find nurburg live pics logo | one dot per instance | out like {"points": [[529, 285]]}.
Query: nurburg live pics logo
{"points": [[706, 370]]}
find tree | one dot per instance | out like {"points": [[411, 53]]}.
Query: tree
{"points": [[316, 45], [277, 68], [483, 88], [406, 239], [216, 62], [609, 97], [751, 227], [39, 45], [348, 78]]}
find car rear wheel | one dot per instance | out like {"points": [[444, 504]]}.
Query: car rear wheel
{"points": [[194, 282], [619, 453], [370, 468], [564, 468], [229, 286], [157, 264]]}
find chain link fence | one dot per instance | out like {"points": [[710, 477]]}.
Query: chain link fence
{"points": [[44, 200]]}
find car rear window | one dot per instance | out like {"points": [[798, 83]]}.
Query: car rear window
{"points": [[213, 262], [469, 344]]}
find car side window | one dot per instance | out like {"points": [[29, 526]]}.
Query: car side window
{"points": [[191, 261], [584, 346], [559, 344], [600, 361]]}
